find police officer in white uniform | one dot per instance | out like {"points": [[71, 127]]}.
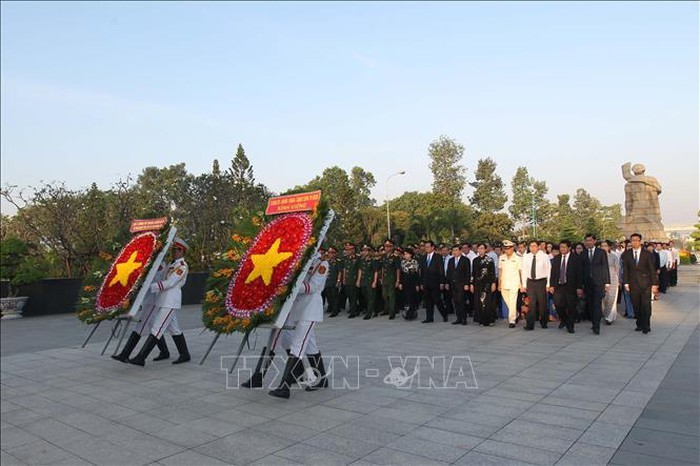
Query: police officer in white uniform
{"points": [[168, 298], [306, 311]]}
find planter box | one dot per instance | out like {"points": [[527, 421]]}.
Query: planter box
{"points": [[12, 308]]}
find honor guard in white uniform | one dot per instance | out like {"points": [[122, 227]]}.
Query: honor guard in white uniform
{"points": [[305, 313], [167, 298]]}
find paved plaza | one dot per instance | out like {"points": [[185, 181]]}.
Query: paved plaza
{"points": [[540, 397]]}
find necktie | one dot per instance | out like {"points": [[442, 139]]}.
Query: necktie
{"points": [[590, 254], [636, 258], [562, 272], [533, 273]]}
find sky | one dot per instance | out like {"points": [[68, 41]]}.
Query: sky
{"points": [[97, 91]]}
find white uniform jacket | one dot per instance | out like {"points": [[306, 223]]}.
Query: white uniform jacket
{"points": [[167, 287], [308, 304]]}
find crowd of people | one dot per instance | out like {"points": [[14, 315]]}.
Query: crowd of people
{"points": [[525, 281]]}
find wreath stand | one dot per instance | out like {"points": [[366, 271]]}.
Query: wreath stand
{"points": [[120, 326], [245, 341]]}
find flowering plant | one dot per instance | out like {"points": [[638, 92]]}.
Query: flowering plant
{"points": [[264, 269], [110, 285]]}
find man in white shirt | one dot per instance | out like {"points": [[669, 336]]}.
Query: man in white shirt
{"points": [[675, 262], [535, 280], [664, 260], [509, 280]]}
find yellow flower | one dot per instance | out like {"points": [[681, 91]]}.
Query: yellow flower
{"points": [[106, 257], [223, 273], [212, 297], [89, 288], [312, 241], [232, 255], [257, 221]]}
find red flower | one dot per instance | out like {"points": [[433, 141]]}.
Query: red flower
{"points": [[268, 264], [126, 271]]}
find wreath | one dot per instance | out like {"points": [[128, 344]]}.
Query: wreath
{"points": [[251, 279], [111, 284]]}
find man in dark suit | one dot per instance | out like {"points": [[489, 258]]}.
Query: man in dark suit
{"points": [[432, 279], [566, 284], [596, 280], [458, 279], [640, 280]]}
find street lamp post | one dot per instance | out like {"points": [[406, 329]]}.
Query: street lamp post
{"points": [[388, 218]]}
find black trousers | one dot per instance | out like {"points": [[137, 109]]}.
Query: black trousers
{"points": [[447, 301], [432, 298], [333, 297], [594, 303], [351, 293], [565, 303], [537, 292], [458, 302], [663, 279], [673, 276], [641, 302]]}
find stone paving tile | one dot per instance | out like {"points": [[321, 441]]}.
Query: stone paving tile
{"points": [[463, 427], [389, 456], [475, 458], [190, 458], [350, 448], [243, 447], [605, 435], [584, 454], [42, 452], [305, 454], [518, 452], [428, 449]]}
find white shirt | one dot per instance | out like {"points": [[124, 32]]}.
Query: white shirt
{"points": [[494, 256], [543, 267], [664, 257], [471, 255]]}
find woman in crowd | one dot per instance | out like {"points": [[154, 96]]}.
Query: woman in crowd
{"points": [[484, 285], [578, 248], [410, 281], [610, 299]]}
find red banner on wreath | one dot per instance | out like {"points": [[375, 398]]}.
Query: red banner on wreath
{"points": [[148, 224], [293, 203]]}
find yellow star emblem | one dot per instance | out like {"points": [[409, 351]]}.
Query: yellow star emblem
{"points": [[264, 264], [125, 269]]}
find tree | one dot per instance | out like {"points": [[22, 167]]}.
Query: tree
{"points": [[586, 213], [695, 235], [347, 196], [529, 206], [448, 173], [488, 195], [493, 226]]}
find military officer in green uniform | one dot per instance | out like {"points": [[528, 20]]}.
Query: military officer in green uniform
{"points": [[333, 281], [367, 280], [390, 276], [349, 278]]}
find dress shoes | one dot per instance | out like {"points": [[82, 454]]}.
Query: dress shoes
{"points": [[638, 329], [426, 321], [562, 325], [456, 322], [607, 322], [596, 331], [571, 331], [511, 325]]}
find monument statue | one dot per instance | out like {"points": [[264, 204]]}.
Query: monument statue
{"points": [[642, 211]]}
